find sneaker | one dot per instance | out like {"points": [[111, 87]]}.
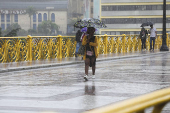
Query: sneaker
{"points": [[86, 78], [93, 76]]}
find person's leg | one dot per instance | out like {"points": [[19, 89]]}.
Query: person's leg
{"points": [[145, 43], [150, 43], [142, 44], [153, 42], [87, 63], [93, 62], [93, 65]]}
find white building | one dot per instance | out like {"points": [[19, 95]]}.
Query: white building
{"points": [[12, 11], [126, 16]]}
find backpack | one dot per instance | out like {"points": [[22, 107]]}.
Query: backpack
{"points": [[78, 35]]}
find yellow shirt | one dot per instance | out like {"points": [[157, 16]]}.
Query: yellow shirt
{"points": [[94, 44]]}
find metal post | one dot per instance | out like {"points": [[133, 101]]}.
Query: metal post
{"points": [[30, 48], [105, 40], [164, 46]]}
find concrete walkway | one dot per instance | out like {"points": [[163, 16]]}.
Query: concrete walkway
{"points": [[61, 88], [25, 65]]}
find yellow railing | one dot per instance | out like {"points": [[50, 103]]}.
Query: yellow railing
{"points": [[14, 49], [157, 100]]}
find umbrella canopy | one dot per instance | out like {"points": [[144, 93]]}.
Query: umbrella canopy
{"points": [[146, 24], [90, 22]]}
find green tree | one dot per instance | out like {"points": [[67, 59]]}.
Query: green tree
{"points": [[12, 30], [22, 32], [48, 27], [31, 11], [11, 27], [32, 31]]}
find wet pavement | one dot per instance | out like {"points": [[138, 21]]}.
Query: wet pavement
{"points": [[61, 89]]}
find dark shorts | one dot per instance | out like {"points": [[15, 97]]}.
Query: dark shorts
{"points": [[92, 63]]}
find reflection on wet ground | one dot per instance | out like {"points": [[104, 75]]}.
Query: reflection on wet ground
{"points": [[62, 89]]}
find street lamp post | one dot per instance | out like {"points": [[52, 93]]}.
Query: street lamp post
{"points": [[164, 46]]}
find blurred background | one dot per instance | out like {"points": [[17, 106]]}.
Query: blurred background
{"points": [[57, 17]]}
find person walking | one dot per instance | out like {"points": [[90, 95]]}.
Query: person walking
{"points": [[143, 34], [78, 40], [153, 34], [91, 43]]}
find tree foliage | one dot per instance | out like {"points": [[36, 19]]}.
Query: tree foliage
{"points": [[30, 11], [48, 28]]}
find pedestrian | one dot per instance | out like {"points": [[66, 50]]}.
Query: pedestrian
{"points": [[78, 40], [91, 43], [143, 34], [153, 34]]}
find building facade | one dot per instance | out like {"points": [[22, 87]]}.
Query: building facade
{"points": [[126, 16], [13, 11]]}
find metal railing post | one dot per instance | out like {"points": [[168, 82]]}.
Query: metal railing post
{"points": [[30, 48], [17, 51], [140, 44], [105, 40], [134, 43], [99, 47], [158, 108], [60, 46], [49, 48], [5, 51], [149, 42], [123, 43]]}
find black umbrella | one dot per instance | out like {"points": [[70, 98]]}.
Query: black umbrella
{"points": [[146, 24], [90, 22]]}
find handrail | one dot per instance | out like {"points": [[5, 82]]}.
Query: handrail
{"points": [[157, 99], [14, 49], [12, 37]]}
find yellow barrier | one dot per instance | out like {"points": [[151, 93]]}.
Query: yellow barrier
{"points": [[157, 99], [14, 49]]}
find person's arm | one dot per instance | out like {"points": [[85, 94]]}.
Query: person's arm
{"points": [[95, 43], [146, 32], [155, 33], [84, 42]]}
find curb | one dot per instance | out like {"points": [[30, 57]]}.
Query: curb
{"points": [[79, 62]]}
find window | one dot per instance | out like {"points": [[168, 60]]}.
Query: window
{"points": [[34, 17], [2, 18], [39, 17], [154, 7], [159, 20], [103, 8], [143, 8], [34, 26], [7, 25], [132, 20], [132, 7], [3, 27], [53, 17], [16, 18], [92, 10], [167, 7], [160, 7], [8, 17], [148, 7], [45, 17]]}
